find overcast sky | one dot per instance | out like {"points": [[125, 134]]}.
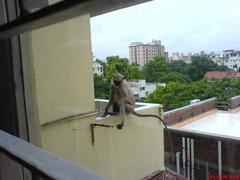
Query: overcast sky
{"points": [[181, 25]]}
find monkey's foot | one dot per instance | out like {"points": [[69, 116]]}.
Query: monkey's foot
{"points": [[108, 114], [112, 113], [119, 126]]}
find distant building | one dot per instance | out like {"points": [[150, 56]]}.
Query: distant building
{"points": [[196, 54], [221, 74], [97, 69], [229, 58], [181, 56], [140, 53], [166, 55], [141, 89], [175, 56], [202, 53]]}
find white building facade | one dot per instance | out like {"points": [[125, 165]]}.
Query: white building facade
{"points": [[97, 69], [141, 89], [140, 53], [229, 58]]}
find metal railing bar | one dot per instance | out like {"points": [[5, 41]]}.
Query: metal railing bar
{"points": [[72, 117], [204, 134], [51, 165]]}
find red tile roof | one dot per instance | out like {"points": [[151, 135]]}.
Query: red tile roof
{"points": [[166, 174], [221, 74]]}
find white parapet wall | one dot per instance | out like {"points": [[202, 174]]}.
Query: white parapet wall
{"points": [[131, 153]]}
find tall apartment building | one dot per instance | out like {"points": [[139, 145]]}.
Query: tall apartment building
{"points": [[141, 53]]}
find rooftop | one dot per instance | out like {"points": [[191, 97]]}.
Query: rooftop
{"points": [[221, 74], [222, 123]]}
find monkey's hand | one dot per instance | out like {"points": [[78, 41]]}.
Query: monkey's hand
{"points": [[105, 114], [123, 101]]}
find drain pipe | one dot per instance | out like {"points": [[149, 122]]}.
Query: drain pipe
{"points": [[184, 156], [188, 158], [220, 159], [192, 158], [178, 162]]}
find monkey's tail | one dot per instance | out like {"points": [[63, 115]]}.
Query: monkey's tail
{"points": [[165, 125]]}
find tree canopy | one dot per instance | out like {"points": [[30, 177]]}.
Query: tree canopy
{"points": [[177, 94], [174, 77], [179, 66], [101, 87], [184, 81], [199, 66], [117, 64], [155, 69]]}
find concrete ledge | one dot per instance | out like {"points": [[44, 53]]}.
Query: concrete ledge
{"points": [[234, 102], [187, 112], [139, 106]]}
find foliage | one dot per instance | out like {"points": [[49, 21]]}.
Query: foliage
{"points": [[158, 69], [179, 66], [174, 77], [135, 73], [114, 64], [184, 81], [155, 69], [117, 64], [222, 68], [101, 87], [177, 94], [199, 66]]}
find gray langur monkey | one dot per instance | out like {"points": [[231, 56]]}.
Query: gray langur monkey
{"points": [[123, 101]]}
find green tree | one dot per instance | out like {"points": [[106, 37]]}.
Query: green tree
{"points": [[179, 66], [155, 69], [135, 73], [177, 94], [101, 87], [172, 96], [222, 68], [117, 64], [174, 77], [199, 66]]}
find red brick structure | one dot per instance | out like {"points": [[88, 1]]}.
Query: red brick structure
{"points": [[166, 174], [178, 115], [221, 74]]}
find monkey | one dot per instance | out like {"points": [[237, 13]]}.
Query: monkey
{"points": [[123, 101], [121, 98]]}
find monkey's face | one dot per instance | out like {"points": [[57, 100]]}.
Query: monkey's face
{"points": [[117, 79], [117, 83]]}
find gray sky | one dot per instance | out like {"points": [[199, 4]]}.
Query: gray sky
{"points": [[181, 25]]}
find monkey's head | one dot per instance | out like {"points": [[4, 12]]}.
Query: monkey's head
{"points": [[117, 79]]}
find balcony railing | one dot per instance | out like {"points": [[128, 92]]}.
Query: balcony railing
{"points": [[202, 155], [42, 163]]}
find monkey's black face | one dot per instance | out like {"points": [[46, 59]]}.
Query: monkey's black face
{"points": [[117, 83]]}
